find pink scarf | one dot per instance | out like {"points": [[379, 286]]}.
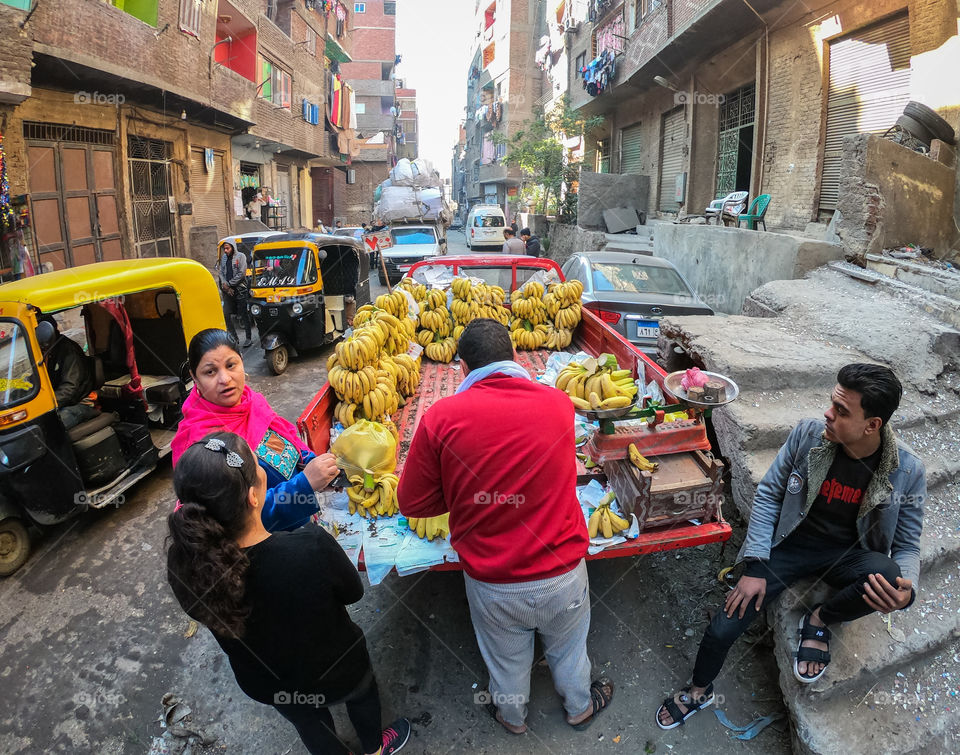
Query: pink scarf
{"points": [[250, 419]]}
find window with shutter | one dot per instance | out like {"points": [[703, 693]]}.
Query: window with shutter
{"points": [[190, 17]]}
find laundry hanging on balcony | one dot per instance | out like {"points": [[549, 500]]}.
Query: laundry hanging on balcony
{"points": [[599, 73], [336, 101]]}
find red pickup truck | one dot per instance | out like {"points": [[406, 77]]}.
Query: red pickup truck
{"points": [[688, 474]]}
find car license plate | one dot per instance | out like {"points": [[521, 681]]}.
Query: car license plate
{"points": [[647, 329]]}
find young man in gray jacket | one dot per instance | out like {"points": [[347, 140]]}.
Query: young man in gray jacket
{"points": [[843, 502]]}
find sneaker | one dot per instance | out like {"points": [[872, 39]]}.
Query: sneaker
{"points": [[395, 736]]}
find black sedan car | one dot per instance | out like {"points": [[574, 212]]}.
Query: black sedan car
{"points": [[632, 292]]}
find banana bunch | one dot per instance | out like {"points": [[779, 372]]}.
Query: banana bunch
{"points": [[526, 335], [490, 303], [558, 338], [393, 333], [381, 500], [389, 424], [394, 303], [405, 370], [533, 309], [418, 290], [640, 461], [603, 521], [562, 301], [351, 386], [443, 350], [431, 527], [603, 388], [464, 311], [357, 351]]}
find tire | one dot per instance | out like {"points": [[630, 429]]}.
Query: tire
{"points": [[14, 545], [937, 126], [278, 359], [916, 129]]}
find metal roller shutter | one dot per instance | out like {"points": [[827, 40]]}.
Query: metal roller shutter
{"points": [[869, 87], [630, 149], [672, 138], [206, 190]]}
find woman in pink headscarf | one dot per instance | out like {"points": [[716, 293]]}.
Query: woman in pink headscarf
{"points": [[221, 401]]}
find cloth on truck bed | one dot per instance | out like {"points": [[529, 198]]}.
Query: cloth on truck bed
{"points": [[157, 388]]}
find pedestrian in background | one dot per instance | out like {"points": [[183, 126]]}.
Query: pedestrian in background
{"points": [[512, 245], [276, 603], [531, 242], [232, 272]]}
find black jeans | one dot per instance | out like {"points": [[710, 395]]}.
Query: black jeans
{"points": [[236, 306], [315, 725], [843, 568]]}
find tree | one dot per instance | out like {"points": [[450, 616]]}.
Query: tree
{"points": [[538, 150]]}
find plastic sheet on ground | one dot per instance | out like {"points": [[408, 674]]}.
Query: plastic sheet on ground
{"points": [[345, 527], [589, 496], [382, 539], [417, 554]]}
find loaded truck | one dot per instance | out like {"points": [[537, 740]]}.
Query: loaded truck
{"points": [[412, 205], [678, 506]]}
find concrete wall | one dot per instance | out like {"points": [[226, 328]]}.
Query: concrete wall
{"points": [[605, 191], [725, 264], [566, 240], [891, 196]]}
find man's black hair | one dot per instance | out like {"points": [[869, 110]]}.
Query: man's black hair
{"points": [[879, 388], [510, 231], [525, 232], [484, 341]]}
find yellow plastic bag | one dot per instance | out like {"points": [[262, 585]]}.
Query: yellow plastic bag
{"points": [[366, 449]]}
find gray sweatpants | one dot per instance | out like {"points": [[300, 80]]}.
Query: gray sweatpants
{"points": [[505, 618]]}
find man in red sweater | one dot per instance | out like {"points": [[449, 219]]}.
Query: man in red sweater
{"points": [[499, 456]]}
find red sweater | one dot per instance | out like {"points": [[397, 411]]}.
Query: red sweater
{"points": [[500, 458]]}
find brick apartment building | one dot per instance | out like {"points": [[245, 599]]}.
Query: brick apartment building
{"points": [[712, 96], [371, 74], [408, 122], [502, 87], [141, 130]]}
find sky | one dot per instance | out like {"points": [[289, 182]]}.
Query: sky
{"points": [[435, 38]]}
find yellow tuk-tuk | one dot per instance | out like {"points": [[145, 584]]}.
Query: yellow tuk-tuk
{"points": [[304, 291], [116, 356]]}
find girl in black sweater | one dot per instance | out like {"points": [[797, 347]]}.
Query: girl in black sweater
{"points": [[276, 603]]}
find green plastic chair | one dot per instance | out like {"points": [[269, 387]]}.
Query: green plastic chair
{"points": [[753, 216]]}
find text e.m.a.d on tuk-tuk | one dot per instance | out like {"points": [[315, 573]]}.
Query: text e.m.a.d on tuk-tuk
{"points": [[94, 376]]}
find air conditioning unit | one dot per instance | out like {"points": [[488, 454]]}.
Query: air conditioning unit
{"points": [[351, 175], [570, 24]]}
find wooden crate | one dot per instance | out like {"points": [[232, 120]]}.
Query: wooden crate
{"points": [[686, 486]]}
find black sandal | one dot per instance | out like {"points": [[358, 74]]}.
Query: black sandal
{"points": [[811, 655], [670, 705], [601, 693]]}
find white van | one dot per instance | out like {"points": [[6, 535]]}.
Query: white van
{"points": [[485, 225]]}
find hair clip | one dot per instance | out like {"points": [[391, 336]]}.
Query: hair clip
{"points": [[234, 459]]}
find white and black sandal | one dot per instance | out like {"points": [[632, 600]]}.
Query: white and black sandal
{"points": [[811, 655], [670, 705]]}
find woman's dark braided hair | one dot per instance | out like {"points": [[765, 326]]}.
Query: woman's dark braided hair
{"points": [[206, 568]]}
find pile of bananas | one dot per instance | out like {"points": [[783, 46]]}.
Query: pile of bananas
{"points": [[604, 521], [431, 527], [563, 303], [528, 326], [392, 332], [373, 497], [640, 461], [436, 328], [395, 303], [464, 307], [418, 290], [405, 371], [558, 338], [600, 388], [365, 387]]}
